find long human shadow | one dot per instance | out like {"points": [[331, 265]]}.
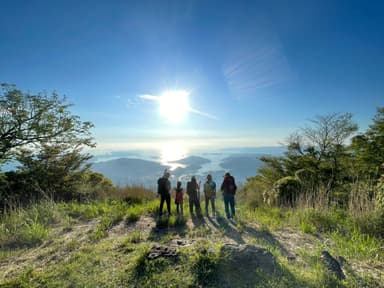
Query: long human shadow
{"points": [[198, 221], [162, 229], [265, 237], [224, 225]]}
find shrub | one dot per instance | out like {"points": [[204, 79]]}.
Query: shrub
{"points": [[288, 189]]}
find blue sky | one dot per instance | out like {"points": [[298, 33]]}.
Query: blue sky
{"points": [[254, 71]]}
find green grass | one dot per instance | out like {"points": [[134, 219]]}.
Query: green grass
{"points": [[27, 227], [271, 217], [121, 261], [204, 266]]}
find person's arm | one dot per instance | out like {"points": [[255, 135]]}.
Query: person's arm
{"points": [[158, 186], [188, 188], [234, 183]]}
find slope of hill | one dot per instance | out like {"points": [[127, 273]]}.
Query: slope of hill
{"points": [[125, 171], [115, 245], [244, 166], [143, 171]]}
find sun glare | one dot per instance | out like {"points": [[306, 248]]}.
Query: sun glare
{"points": [[171, 152], [174, 105]]}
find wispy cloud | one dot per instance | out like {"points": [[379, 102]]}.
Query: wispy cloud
{"points": [[247, 70], [149, 97], [210, 116]]}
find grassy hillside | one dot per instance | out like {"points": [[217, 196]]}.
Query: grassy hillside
{"points": [[114, 244]]}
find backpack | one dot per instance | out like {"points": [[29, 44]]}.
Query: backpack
{"points": [[230, 185], [162, 186], [192, 190], [209, 189]]}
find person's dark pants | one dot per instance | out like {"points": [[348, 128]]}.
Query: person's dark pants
{"points": [[179, 208], [207, 200], [167, 199], [196, 203], [229, 200]]}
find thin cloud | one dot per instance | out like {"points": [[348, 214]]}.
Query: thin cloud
{"points": [[149, 97], [210, 116]]}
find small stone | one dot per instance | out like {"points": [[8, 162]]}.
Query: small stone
{"points": [[332, 264]]}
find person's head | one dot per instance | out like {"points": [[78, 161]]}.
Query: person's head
{"points": [[193, 179], [209, 177], [227, 174], [166, 174], [178, 184]]}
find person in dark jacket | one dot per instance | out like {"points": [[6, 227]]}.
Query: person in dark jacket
{"points": [[210, 194], [229, 190], [179, 198], [193, 191], [163, 189]]}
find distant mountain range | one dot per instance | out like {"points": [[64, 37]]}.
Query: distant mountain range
{"points": [[242, 163]]}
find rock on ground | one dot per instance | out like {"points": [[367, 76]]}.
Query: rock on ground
{"points": [[241, 265]]}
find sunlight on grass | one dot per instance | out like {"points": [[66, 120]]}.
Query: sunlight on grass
{"points": [[87, 263], [27, 227]]}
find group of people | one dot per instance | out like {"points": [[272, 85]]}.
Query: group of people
{"points": [[228, 188]]}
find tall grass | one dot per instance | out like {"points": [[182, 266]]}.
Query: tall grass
{"points": [[26, 227], [131, 194], [30, 226]]}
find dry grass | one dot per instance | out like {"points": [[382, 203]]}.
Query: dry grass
{"points": [[131, 194]]}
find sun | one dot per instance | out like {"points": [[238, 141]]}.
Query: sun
{"points": [[174, 105]]}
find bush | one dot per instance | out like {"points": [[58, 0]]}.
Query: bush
{"points": [[371, 223], [288, 189], [325, 221]]}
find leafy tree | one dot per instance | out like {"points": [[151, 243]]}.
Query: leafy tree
{"points": [[55, 171], [47, 141], [368, 148], [30, 120], [314, 160]]}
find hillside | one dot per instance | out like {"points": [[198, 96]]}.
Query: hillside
{"points": [[115, 245], [129, 170]]}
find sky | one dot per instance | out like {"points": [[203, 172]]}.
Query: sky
{"points": [[202, 74]]}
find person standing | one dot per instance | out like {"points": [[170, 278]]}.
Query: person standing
{"points": [[229, 190], [163, 189], [179, 198], [210, 194], [193, 194]]}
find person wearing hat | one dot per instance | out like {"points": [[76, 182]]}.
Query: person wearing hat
{"points": [[163, 189], [210, 194], [229, 190], [193, 194]]}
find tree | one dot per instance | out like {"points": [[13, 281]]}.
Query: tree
{"points": [[322, 148], [368, 148], [314, 159], [28, 120], [329, 132], [41, 134]]}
